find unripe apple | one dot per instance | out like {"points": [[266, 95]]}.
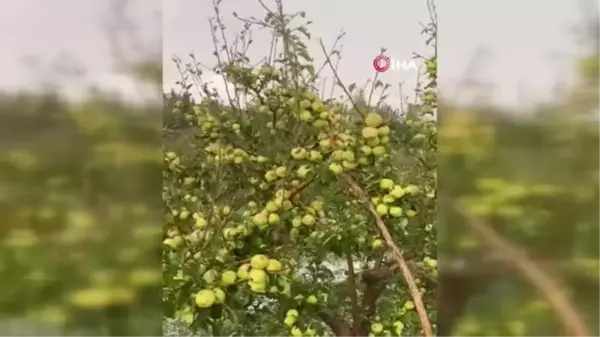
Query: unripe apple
{"points": [[260, 219], [397, 192], [271, 206], [258, 287], [398, 327], [274, 266], [259, 261], [386, 184], [396, 211], [299, 153], [297, 221], [336, 168], [274, 218], [296, 332], [174, 242], [412, 189], [382, 209], [409, 305], [337, 155], [411, 213], [349, 156], [315, 155], [261, 159], [271, 176], [306, 116], [184, 214], [325, 144], [226, 210], [289, 321], [383, 131], [228, 278], [310, 332], [281, 171], [379, 151], [369, 133], [367, 150], [377, 243], [349, 164], [219, 295], [308, 220], [388, 199], [242, 272], [293, 313], [312, 299], [305, 104], [373, 119], [257, 275], [205, 298], [171, 155], [376, 328], [320, 124]]}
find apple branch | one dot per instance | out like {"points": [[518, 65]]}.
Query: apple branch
{"points": [[572, 321], [408, 277]]}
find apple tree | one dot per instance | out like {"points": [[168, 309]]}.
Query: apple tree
{"points": [[290, 214]]}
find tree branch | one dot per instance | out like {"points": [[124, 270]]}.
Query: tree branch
{"points": [[572, 321], [408, 277]]}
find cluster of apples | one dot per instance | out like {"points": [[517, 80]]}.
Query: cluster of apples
{"points": [[290, 320], [386, 204], [254, 273]]}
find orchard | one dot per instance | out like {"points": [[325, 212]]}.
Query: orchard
{"points": [[288, 213]]}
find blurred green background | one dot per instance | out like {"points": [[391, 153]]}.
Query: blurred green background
{"points": [[80, 191]]}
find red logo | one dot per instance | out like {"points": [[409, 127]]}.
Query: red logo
{"points": [[381, 63]]}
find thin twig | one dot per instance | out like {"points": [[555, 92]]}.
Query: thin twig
{"points": [[572, 321], [406, 272]]}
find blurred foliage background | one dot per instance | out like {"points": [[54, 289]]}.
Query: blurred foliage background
{"points": [[80, 200]]}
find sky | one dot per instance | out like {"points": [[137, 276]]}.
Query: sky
{"points": [[523, 48]]}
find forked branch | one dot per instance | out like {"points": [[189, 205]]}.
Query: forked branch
{"points": [[398, 256]]}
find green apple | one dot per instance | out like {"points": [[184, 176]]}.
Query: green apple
{"points": [[388, 199], [373, 119], [349, 164], [242, 272], [312, 299], [271, 176], [411, 213], [412, 189], [315, 155], [382, 209], [289, 321], [306, 116], [349, 156], [219, 295], [205, 298], [383, 131], [409, 305], [299, 153], [260, 219], [397, 192], [274, 266], [325, 144], [296, 221], [259, 261], [226, 210], [376, 328], [398, 327], [379, 151], [281, 171], [336, 168], [367, 150], [228, 278], [293, 313], [296, 332], [386, 184], [308, 220], [337, 155], [377, 243], [396, 211], [271, 206], [257, 275], [258, 287], [369, 133], [274, 218]]}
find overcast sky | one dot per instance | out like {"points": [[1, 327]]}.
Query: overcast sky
{"points": [[529, 45]]}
